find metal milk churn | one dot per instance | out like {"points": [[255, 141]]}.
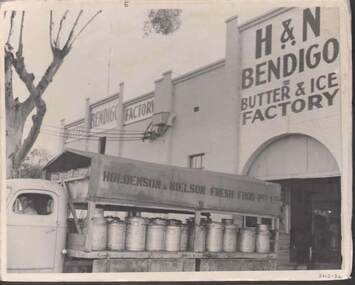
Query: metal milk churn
{"points": [[116, 235], [156, 235], [99, 232], [214, 242], [191, 230], [135, 235], [262, 241], [200, 232], [184, 237], [230, 237], [172, 237], [246, 240]]}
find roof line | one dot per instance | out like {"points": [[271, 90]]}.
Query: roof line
{"points": [[139, 98], [75, 123], [264, 17], [199, 71], [105, 100]]}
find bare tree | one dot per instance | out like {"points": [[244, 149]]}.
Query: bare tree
{"points": [[17, 112]]}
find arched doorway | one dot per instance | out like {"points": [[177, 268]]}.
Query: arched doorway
{"points": [[310, 180]]}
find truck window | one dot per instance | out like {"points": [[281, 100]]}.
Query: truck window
{"points": [[33, 204]]}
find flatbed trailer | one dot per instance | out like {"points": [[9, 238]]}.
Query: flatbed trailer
{"points": [[122, 185]]}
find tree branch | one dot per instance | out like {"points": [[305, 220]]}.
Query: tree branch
{"points": [[67, 45], [9, 98], [13, 14], [27, 144], [26, 77], [84, 27], [56, 42], [49, 74], [29, 104], [51, 30], [8, 81], [20, 45], [18, 63]]}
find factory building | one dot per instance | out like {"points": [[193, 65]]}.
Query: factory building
{"points": [[271, 109]]}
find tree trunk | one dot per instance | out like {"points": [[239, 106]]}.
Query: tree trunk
{"points": [[14, 131]]}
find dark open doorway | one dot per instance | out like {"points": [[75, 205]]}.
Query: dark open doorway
{"points": [[315, 234]]}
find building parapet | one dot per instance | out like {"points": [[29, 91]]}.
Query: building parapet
{"points": [[199, 71], [138, 99], [74, 123], [105, 100], [259, 19]]}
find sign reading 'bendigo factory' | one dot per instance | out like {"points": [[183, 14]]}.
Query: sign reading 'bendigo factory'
{"points": [[290, 65], [131, 180]]}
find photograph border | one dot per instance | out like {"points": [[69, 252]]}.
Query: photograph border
{"points": [[346, 170]]}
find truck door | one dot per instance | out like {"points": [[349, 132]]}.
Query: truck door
{"points": [[32, 231]]}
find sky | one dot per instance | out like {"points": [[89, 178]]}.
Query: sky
{"points": [[113, 49]]}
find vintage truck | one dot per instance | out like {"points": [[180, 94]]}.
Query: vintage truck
{"points": [[45, 232]]}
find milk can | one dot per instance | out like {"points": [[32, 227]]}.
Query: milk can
{"points": [[200, 232], [191, 233], [172, 237], [99, 233], [262, 241], [184, 237], [135, 236], [230, 238], [214, 242], [155, 236], [116, 235], [246, 240]]}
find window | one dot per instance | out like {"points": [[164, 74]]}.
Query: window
{"points": [[196, 161], [102, 145], [33, 204]]}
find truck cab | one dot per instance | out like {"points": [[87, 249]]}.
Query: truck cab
{"points": [[36, 225]]}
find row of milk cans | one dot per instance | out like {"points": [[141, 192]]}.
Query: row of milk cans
{"points": [[142, 234]]}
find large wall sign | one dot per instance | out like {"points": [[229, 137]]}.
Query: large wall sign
{"points": [[290, 65], [138, 111], [104, 116]]}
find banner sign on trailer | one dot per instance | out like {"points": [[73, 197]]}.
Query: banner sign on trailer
{"points": [[139, 181], [144, 183]]}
